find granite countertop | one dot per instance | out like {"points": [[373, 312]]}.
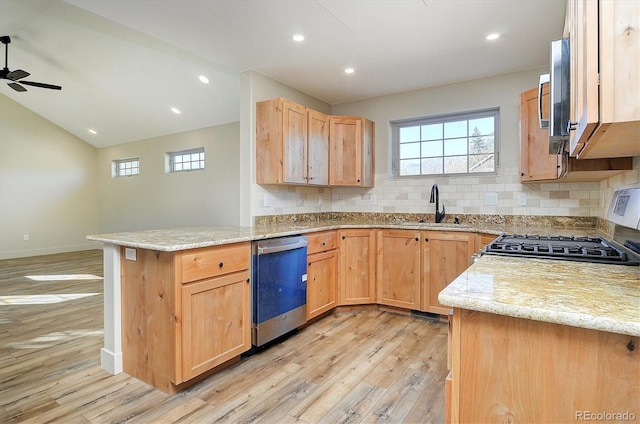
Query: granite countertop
{"points": [[595, 296], [176, 239]]}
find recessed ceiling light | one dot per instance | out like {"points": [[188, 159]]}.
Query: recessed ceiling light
{"points": [[349, 71], [203, 79], [94, 132], [298, 37], [175, 110], [493, 36]]}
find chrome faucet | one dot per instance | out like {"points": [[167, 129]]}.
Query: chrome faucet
{"points": [[435, 196]]}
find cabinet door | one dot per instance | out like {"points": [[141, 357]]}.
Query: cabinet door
{"points": [[583, 41], [357, 270], [445, 255], [322, 282], [398, 277], [216, 322], [318, 148], [536, 163], [345, 136], [294, 139]]}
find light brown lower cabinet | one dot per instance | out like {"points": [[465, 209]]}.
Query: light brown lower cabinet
{"points": [[506, 369], [398, 277], [184, 313], [322, 273], [446, 254], [357, 266]]}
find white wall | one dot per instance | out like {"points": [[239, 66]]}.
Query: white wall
{"points": [[156, 199], [48, 185], [461, 195], [256, 87]]}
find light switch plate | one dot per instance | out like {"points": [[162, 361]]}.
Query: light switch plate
{"points": [[491, 198], [522, 201]]}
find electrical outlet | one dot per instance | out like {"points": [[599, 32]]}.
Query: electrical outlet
{"points": [[129, 254], [267, 200], [373, 199], [522, 201], [25, 237], [491, 198], [320, 199]]}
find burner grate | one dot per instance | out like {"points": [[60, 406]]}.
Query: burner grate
{"points": [[587, 249]]}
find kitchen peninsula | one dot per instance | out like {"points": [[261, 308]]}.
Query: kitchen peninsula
{"points": [[164, 246]]}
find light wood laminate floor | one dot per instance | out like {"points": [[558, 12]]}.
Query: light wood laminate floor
{"points": [[359, 365]]}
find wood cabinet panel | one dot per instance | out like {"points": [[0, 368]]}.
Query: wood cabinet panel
{"points": [[294, 143], [445, 255], [213, 261], [321, 241], [537, 164], [357, 269], [216, 322], [507, 369], [322, 282], [174, 330], [605, 95], [399, 281], [351, 151], [318, 148]]}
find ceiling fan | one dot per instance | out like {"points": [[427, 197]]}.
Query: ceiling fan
{"points": [[18, 74]]}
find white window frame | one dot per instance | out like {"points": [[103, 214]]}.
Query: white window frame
{"points": [[176, 161], [127, 167], [443, 119]]}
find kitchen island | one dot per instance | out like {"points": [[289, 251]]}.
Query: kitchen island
{"points": [[173, 259], [539, 340]]}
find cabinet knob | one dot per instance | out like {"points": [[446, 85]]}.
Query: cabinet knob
{"points": [[417, 239], [358, 180], [522, 174], [631, 346], [343, 237], [248, 280], [220, 264], [426, 239], [324, 243]]}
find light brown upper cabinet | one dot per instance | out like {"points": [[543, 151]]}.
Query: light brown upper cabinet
{"points": [[537, 164], [351, 151], [292, 144], [604, 39], [298, 145]]}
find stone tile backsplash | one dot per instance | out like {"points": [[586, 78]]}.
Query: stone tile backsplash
{"points": [[460, 196]]}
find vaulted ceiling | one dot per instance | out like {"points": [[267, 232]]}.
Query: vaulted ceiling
{"points": [[123, 64]]}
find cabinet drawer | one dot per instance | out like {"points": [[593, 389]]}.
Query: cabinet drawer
{"points": [[321, 241], [213, 261]]}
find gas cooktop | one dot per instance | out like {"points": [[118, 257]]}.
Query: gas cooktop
{"points": [[570, 248]]}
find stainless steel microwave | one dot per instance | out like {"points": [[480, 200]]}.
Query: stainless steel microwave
{"points": [[559, 84]]}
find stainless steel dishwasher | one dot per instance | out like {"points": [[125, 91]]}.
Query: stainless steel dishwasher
{"points": [[279, 287]]}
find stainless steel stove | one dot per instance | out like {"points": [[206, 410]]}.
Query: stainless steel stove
{"points": [[624, 249], [584, 249]]}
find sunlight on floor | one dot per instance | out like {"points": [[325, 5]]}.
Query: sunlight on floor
{"points": [[63, 277], [41, 299], [52, 339]]}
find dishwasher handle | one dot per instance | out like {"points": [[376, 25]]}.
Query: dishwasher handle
{"points": [[281, 246]]}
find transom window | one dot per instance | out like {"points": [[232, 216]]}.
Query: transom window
{"points": [[464, 143], [125, 167], [186, 160]]}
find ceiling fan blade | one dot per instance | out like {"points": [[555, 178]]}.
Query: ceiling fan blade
{"points": [[41, 85], [16, 86], [17, 74]]}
